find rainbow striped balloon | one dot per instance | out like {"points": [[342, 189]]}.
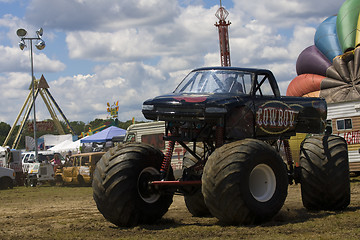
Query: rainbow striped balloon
{"points": [[331, 67]]}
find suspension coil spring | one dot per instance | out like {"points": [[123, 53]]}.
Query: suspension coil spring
{"points": [[167, 159], [288, 153]]}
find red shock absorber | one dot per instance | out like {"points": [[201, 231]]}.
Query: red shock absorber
{"points": [[167, 159], [219, 139]]}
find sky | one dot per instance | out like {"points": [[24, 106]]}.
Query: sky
{"points": [[132, 50]]}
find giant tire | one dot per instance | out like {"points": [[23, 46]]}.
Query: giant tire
{"points": [[120, 185], [244, 182], [194, 199], [325, 180]]}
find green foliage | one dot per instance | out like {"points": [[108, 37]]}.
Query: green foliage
{"points": [[4, 128]]}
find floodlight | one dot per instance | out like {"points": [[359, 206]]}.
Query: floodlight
{"points": [[40, 45], [39, 32], [22, 44], [21, 32]]}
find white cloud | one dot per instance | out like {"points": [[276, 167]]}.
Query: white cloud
{"points": [[286, 13], [140, 49], [97, 15], [13, 59], [88, 94]]}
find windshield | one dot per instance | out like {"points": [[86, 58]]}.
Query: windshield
{"points": [[216, 81]]}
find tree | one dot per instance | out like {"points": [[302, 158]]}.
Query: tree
{"points": [[4, 130], [77, 126]]}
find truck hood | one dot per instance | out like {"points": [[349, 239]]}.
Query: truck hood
{"points": [[191, 105], [7, 172]]}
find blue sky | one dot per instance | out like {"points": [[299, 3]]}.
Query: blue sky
{"points": [[129, 51]]}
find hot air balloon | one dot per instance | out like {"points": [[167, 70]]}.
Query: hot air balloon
{"points": [[331, 67]]}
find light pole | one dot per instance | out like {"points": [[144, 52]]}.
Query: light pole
{"points": [[39, 45]]}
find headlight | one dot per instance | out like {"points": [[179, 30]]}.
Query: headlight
{"points": [[148, 107], [215, 110]]}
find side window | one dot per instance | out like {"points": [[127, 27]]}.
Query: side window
{"points": [[84, 161], [31, 158], [77, 161], [263, 86], [344, 124], [156, 140], [26, 158], [130, 137]]}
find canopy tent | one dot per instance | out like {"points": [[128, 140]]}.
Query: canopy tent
{"points": [[105, 135], [67, 146], [61, 146]]}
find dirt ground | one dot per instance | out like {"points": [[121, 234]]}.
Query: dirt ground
{"points": [[46, 212]]}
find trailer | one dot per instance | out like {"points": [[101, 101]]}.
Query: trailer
{"points": [[14, 163], [343, 119], [153, 133]]}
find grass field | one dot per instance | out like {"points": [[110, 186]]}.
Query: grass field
{"points": [[46, 212]]}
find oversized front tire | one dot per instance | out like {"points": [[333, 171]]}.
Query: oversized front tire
{"points": [[120, 185], [325, 179], [244, 182]]}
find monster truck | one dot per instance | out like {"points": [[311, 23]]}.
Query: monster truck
{"points": [[237, 126]]}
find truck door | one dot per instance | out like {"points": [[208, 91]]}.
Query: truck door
{"points": [[273, 115]]}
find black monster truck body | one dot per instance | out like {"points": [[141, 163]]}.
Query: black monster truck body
{"points": [[233, 123], [250, 106]]}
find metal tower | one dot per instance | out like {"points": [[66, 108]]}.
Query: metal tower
{"points": [[222, 14], [41, 87]]}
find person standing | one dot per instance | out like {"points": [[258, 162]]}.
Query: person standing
{"points": [[56, 161], [8, 158]]}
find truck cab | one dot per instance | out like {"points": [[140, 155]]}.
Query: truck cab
{"points": [[240, 102]]}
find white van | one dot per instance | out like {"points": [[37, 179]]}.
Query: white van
{"points": [[29, 157], [38, 171]]}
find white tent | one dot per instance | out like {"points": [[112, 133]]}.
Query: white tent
{"points": [[67, 146], [52, 140], [59, 147]]}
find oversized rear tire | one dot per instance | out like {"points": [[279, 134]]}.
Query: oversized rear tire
{"points": [[325, 179], [120, 185], [194, 200], [244, 182]]}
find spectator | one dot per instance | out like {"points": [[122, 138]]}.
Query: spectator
{"points": [[56, 161], [8, 156]]}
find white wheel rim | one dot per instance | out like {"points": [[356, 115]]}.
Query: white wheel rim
{"points": [[262, 183]]}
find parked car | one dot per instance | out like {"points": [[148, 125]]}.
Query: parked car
{"points": [[79, 169]]}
